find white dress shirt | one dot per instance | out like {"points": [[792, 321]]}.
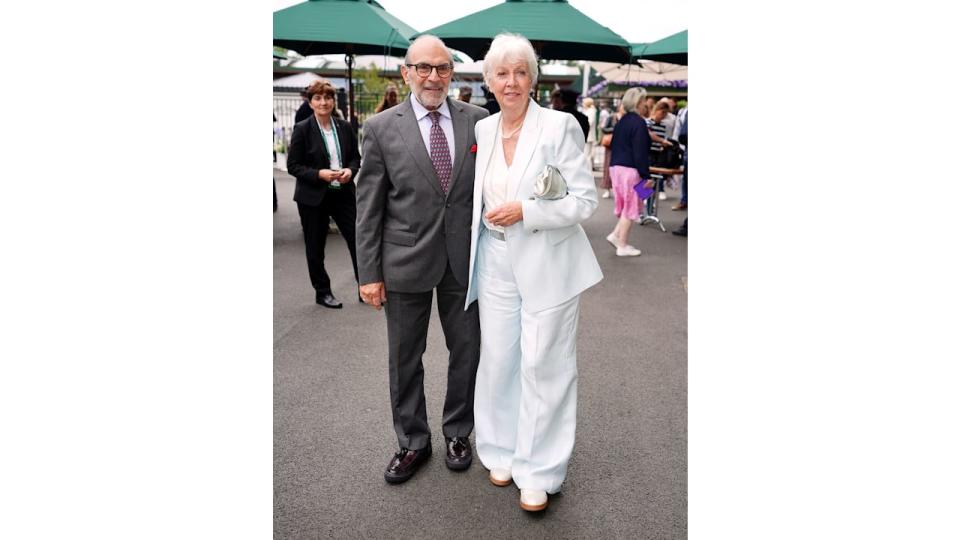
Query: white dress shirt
{"points": [[332, 148], [425, 123], [497, 183]]}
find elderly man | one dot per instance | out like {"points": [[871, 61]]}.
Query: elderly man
{"points": [[414, 204]]}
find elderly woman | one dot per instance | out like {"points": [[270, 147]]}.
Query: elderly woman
{"points": [[530, 260], [324, 159], [629, 165]]}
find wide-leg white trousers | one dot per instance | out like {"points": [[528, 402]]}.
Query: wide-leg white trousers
{"points": [[525, 405]]}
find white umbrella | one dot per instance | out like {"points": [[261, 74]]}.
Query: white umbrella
{"points": [[646, 71]]}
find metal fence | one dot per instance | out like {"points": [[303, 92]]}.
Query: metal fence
{"points": [[285, 105]]}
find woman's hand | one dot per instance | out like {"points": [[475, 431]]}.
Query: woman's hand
{"points": [[649, 184], [506, 214]]}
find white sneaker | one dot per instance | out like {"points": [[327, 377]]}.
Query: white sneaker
{"points": [[500, 477], [663, 196], [613, 240], [627, 251], [606, 194], [533, 500]]}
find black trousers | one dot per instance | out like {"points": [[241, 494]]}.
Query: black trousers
{"points": [[408, 315], [341, 205]]}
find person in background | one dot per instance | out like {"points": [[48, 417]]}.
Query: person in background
{"points": [[305, 111], [592, 114], [325, 159], [605, 112], [389, 98], [680, 134], [491, 106], [466, 92], [670, 121], [566, 101], [658, 131], [606, 128], [682, 137], [648, 104], [530, 260], [629, 165]]}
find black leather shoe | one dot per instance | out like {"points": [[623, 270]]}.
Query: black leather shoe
{"points": [[459, 456], [682, 231], [404, 463], [328, 300]]}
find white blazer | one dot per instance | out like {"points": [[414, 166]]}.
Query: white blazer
{"points": [[549, 251]]}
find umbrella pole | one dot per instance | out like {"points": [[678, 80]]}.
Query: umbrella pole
{"points": [[350, 113]]}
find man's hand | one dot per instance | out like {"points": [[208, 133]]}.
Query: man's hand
{"points": [[373, 294], [345, 175], [506, 214]]}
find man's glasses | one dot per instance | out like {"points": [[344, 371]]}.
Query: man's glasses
{"points": [[423, 69]]}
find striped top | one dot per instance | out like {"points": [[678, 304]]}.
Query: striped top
{"points": [[660, 129]]}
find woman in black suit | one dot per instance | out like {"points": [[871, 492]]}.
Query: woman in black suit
{"points": [[324, 158]]}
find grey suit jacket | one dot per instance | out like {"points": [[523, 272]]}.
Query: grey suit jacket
{"points": [[407, 230]]}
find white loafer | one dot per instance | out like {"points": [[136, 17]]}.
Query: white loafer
{"points": [[533, 500], [500, 477]]}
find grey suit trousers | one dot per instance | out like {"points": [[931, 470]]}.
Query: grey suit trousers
{"points": [[408, 316]]}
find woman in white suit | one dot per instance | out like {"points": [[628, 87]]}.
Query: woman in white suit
{"points": [[530, 260]]}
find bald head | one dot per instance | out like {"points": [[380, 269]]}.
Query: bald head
{"points": [[426, 44]]}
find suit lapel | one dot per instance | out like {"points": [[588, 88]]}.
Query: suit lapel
{"points": [[460, 138], [409, 132], [529, 136]]}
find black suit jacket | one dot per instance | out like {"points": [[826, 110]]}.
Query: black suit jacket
{"points": [[307, 156]]}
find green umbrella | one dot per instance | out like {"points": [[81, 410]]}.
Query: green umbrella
{"points": [[557, 30], [341, 26], [671, 49], [335, 26]]}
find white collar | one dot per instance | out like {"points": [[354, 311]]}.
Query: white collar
{"points": [[420, 111]]}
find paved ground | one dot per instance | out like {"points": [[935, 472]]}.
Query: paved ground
{"points": [[333, 434]]}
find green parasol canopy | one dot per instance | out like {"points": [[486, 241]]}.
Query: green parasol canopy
{"points": [[340, 26], [671, 49], [557, 30]]}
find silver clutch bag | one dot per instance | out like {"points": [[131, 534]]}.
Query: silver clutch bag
{"points": [[550, 184]]}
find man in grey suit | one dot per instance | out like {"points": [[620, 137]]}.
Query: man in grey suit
{"points": [[414, 205]]}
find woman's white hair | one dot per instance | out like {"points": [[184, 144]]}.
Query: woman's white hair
{"points": [[508, 47], [633, 97]]}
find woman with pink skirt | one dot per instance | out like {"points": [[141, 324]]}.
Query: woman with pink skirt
{"points": [[629, 166]]}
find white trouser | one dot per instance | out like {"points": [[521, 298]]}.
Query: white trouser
{"points": [[525, 405]]}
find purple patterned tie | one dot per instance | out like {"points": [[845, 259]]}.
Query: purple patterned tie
{"points": [[440, 152]]}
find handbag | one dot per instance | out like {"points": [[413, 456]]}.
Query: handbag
{"points": [[642, 191], [550, 184], [606, 139]]}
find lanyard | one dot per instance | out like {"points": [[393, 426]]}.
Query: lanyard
{"points": [[336, 139]]}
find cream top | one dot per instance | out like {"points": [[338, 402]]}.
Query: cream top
{"points": [[498, 183]]}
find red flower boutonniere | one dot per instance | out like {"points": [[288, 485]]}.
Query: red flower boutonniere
{"points": [[473, 149]]}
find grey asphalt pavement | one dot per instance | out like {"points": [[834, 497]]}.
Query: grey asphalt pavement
{"points": [[333, 434]]}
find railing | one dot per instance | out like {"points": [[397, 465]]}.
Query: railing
{"points": [[285, 105]]}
